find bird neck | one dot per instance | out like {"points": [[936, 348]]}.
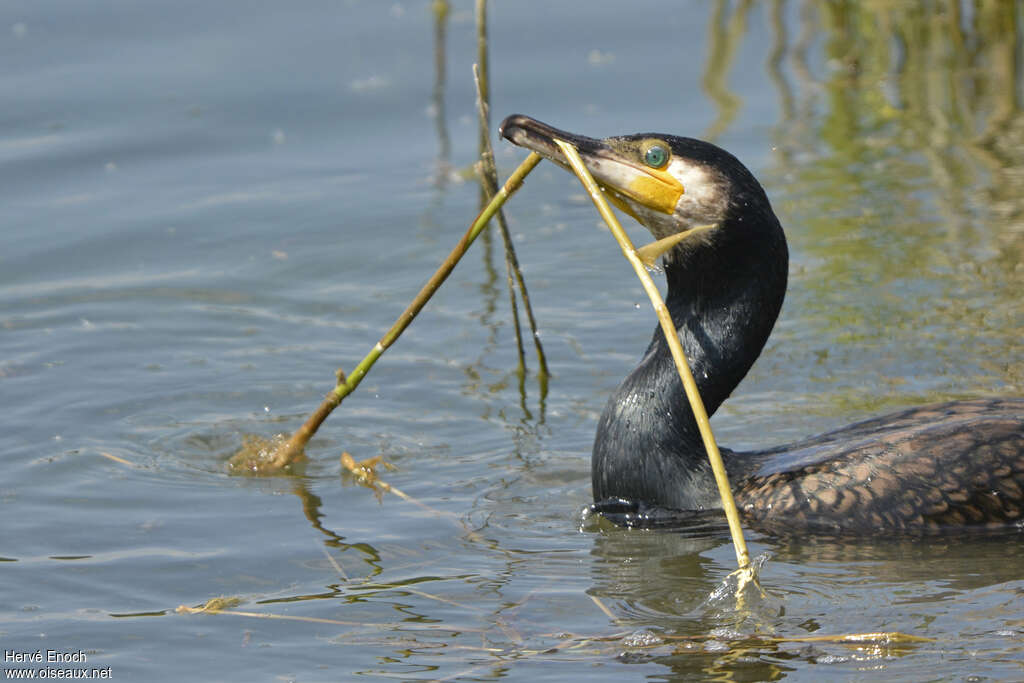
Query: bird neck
{"points": [[723, 313], [723, 301]]}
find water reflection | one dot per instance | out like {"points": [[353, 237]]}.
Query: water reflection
{"points": [[725, 35], [957, 562], [311, 509], [908, 80], [898, 174], [443, 171], [657, 573]]}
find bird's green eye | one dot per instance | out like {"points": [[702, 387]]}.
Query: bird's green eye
{"points": [[656, 156]]}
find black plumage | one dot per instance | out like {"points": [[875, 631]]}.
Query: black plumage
{"points": [[937, 467]]}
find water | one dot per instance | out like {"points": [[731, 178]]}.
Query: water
{"points": [[207, 209]]}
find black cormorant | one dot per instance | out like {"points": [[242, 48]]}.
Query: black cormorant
{"points": [[924, 469]]}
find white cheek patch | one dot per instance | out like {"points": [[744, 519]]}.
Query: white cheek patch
{"points": [[705, 194], [695, 179]]}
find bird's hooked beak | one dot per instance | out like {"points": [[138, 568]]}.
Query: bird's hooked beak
{"points": [[618, 170]]}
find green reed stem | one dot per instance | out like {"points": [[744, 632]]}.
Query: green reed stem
{"points": [[290, 450]]}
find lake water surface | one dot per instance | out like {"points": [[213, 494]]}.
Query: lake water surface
{"points": [[207, 208]]}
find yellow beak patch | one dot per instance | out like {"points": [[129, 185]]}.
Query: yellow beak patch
{"points": [[656, 189]]}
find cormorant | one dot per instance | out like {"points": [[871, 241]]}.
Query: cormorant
{"points": [[925, 469]]}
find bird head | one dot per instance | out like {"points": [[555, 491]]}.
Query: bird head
{"points": [[671, 185]]}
